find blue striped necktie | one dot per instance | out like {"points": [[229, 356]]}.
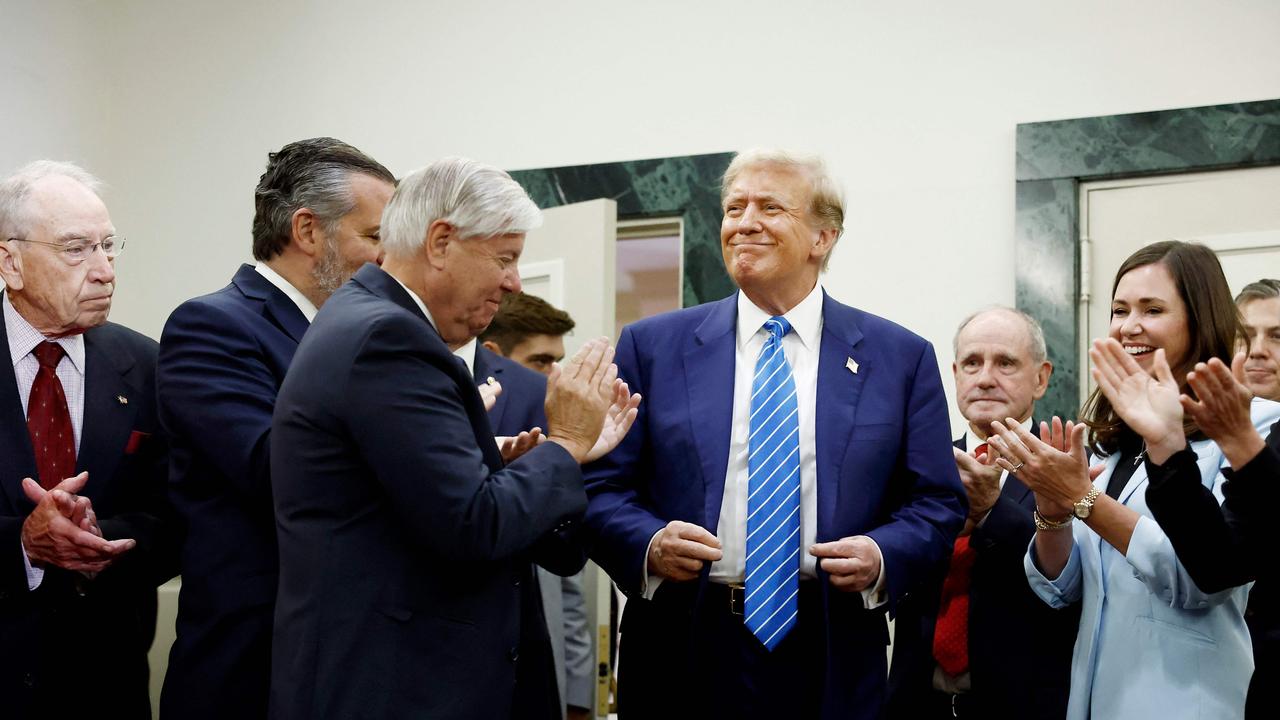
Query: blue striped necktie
{"points": [[773, 494]]}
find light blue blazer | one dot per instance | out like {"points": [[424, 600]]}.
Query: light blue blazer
{"points": [[1151, 644]]}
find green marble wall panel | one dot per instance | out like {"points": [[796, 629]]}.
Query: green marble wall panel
{"points": [[1053, 158], [688, 187]]}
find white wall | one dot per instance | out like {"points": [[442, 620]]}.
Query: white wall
{"points": [[913, 103]]}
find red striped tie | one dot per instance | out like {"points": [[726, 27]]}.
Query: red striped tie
{"points": [[951, 633], [49, 420]]}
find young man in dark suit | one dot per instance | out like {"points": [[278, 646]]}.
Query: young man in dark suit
{"points": [[223, 357], [85, 532], [976, 642]]}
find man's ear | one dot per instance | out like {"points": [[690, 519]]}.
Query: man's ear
{"points": [[305, 230], [10, 266], [1042, 378], [439, 236], [825, 242], [493, 347]]}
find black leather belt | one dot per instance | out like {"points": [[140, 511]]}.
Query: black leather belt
{"points": [[733, 597]]}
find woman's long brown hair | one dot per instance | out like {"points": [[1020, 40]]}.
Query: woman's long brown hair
{"points": [[1213, 327]]}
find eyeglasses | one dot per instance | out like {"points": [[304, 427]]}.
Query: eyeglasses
{"points": [[74, 253]]}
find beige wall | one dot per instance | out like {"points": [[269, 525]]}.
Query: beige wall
{"points": [[914, 104]]}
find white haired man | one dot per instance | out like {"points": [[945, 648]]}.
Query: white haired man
{"points": [[405, 543], [85, 533]]}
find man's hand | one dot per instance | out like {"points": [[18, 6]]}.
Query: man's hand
{"points": [[678, 551], [489, 392], [579, 395], [63, 531], [1221, 408], [981, 478], [513, 447], [853, 563], [617, 422]]}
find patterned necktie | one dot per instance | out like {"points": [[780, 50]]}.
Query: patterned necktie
{"points": [[49, 421], [773, 494], [951, 633]]}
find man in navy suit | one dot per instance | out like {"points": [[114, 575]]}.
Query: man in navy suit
{"points": [[85, 532], [223, 357], [404, 539], [976, 642], [789, 477]]}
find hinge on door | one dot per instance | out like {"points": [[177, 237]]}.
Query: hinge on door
{"points": [[1086, 269]]}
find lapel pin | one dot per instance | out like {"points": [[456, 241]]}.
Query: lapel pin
{"points": [[852, 365], [490, 381], [123, 400]]}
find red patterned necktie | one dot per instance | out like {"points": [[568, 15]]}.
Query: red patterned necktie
{"points": [[951, 633], [49, 420]]}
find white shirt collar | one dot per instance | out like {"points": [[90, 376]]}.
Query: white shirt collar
{"points": [[23, 337], [286, 287], [805, 319], [468, 354]]}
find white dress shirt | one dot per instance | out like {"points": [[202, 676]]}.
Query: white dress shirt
{"points": [[801, 347], [23, 339], [306, 306]]}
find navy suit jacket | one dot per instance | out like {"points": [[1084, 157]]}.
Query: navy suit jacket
{"points": [[112, 617], [884, 469], [223, 357], [1019, 647], [403, 540]]}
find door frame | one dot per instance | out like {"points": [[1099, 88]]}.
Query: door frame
{"points": [[1053, 158]]}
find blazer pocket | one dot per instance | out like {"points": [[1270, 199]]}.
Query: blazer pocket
{"points": [[136, 439]]}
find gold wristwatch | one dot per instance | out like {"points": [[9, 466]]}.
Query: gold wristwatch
{"points": [[1084, 505]]}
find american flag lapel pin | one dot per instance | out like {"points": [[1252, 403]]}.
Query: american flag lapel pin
{"points": [[852, 365], [123, 400]]}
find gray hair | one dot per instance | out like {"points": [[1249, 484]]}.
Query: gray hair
{"points": [[826, 201], [478, 200], [1035, 335], [1263, 289], [15, 189]]}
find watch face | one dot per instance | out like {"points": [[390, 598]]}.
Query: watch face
{"points": [[1082, 510]]}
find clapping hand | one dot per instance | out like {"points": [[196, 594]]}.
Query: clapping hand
{"points": [[981, 478], [1054, 465], [617, 422], [63, 530], [1148, 405], [1221, 408]]}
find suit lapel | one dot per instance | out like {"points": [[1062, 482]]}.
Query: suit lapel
{"points": [[709, 368], [15, 443], [108, 414], [279, 309], [839, 390], [484, 369]]}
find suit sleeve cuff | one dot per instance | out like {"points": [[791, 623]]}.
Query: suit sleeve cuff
{"points": [[875, 596]]}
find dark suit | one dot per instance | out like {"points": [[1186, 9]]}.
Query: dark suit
{"points": [[1228, 546], [519, 407], [223, 357], [1019, 647], [404, 541], [884, 469], [77, 646]]}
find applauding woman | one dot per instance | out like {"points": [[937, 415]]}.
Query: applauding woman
{"points": [[1151, 643]]}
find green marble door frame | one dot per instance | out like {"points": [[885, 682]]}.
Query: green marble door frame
{"points": [[687, 187], [1053, 158]]}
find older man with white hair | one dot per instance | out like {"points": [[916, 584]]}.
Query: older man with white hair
{"points": [[405, 542], [85, 533]]}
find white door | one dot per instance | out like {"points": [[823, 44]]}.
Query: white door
{"points": [[1233, 211], [569, 262]]}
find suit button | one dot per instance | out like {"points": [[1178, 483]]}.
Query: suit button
{"points": [[29, 680], [514, 654]]}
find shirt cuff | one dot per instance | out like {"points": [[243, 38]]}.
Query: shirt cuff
{"points": [[35, 575], [649, 583], [875, 596]]}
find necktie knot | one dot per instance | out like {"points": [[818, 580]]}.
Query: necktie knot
{"points": [[49, 354], [778, 327]]}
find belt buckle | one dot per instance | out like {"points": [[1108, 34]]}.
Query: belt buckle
{"points": [[737, 599]]}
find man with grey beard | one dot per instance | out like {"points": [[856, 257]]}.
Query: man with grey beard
{"points": [[223, 356]]}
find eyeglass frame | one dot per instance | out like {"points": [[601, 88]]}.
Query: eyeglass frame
{"points": [[65, 248]]}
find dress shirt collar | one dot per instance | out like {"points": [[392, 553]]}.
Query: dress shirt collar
{"points": [[971, 439], [23, 337], [468, 355], [805, 319], [286, 287]]}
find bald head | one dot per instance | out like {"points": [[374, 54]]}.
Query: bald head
{"points": [[1000, 367]]}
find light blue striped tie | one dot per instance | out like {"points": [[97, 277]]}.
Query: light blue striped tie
{"points": [[773, 494]]}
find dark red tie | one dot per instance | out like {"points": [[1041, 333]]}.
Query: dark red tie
{"points": [[951, 633], [49, 421]]}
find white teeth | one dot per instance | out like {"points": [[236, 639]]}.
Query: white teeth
{"points": [[1138, 349]]}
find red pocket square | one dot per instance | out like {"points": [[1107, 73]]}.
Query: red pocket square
{"points": [[136, 438]]}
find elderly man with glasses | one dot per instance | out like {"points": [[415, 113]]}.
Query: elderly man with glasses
{"points": [[85, 536]]}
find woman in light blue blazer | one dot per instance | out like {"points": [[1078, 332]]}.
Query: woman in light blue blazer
{"points": [[1151, 644]]}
